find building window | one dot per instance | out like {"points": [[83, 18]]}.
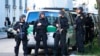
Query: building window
{"points": [[74, 0], [6, 4], [14, 4], [20, 4]]}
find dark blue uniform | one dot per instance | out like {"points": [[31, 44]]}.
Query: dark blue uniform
{"points": [[21, 36], [89, 27], [80, 33], [41, 34], [63, 21]]}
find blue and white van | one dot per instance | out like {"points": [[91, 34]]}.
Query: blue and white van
{"points": [[51, 15]]}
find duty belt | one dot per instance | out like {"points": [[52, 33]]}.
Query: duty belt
{"points": [[21, 33]]}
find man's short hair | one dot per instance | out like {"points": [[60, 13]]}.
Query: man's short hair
{"points": [[62, 13]]}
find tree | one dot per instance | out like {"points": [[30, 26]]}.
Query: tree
{"points": [[98, 5]]}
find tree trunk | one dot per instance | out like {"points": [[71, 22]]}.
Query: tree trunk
{"points": [[98, 4]]}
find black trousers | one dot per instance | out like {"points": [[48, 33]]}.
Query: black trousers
{"points": [[89, 35], [62, 39], [18, 42], [39, 38], [80, 41]]}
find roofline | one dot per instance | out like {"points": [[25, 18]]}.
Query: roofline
{"points": [[44, 10]]}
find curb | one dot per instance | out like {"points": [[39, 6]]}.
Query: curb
{"points": [[3, 38]]}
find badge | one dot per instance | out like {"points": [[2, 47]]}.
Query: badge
{"points": [[81, 17]]}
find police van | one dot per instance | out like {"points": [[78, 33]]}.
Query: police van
{"points": [[51, 16]]}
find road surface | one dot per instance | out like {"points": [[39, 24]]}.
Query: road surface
{"points": [[3, 35], [7, 48]]}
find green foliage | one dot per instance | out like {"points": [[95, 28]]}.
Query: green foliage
{"points": [[95, 6], [92, 50]]}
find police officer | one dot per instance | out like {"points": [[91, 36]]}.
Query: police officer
{"points": [[40, 28], [7, 24], [89, 27], [80, 31], [21, 28], [62, 25], [66, 13]]}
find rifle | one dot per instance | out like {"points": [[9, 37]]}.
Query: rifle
{"points": [[59, 27], [58, 32], [21, 32]]}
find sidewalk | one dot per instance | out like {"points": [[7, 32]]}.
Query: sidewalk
{"points": [[3, 35]]}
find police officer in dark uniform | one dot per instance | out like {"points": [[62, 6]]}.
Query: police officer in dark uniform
{"points": [[40, 28], [80, 31], [21, 28], [60, 35], [89, 27]]}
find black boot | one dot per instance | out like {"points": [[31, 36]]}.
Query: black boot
{"points": [[16, 54], [25, 54]]}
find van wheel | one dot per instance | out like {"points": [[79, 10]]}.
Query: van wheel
{"points": [[74, 48], [29, 51], [8, 35], [68, 42]]}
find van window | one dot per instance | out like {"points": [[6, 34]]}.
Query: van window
{"points": [[50, 16], [33, 16]]}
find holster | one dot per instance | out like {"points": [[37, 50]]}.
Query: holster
{"points": [[56, 34]]}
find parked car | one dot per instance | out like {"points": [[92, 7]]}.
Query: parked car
{"points": [[11, 32]]}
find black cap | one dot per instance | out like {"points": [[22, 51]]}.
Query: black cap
{"points": [[80, 8], [22, 16], [41, 13]]}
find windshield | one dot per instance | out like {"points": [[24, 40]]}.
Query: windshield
{"points": [[50, 16], [32, 16]]}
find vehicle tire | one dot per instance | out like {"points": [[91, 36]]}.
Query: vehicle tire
{"points": [[29, 51], [8, 35], [74, 48], [68, 42]]}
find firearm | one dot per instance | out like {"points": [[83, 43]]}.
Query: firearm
{"points": [[59, 26], [21, 33]]}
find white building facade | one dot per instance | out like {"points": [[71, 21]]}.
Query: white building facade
{"points": [[11, 9], [88, 5], [50, 3]]}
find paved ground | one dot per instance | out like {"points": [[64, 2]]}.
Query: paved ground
{"points": [[7, 48], [3, 35]]}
